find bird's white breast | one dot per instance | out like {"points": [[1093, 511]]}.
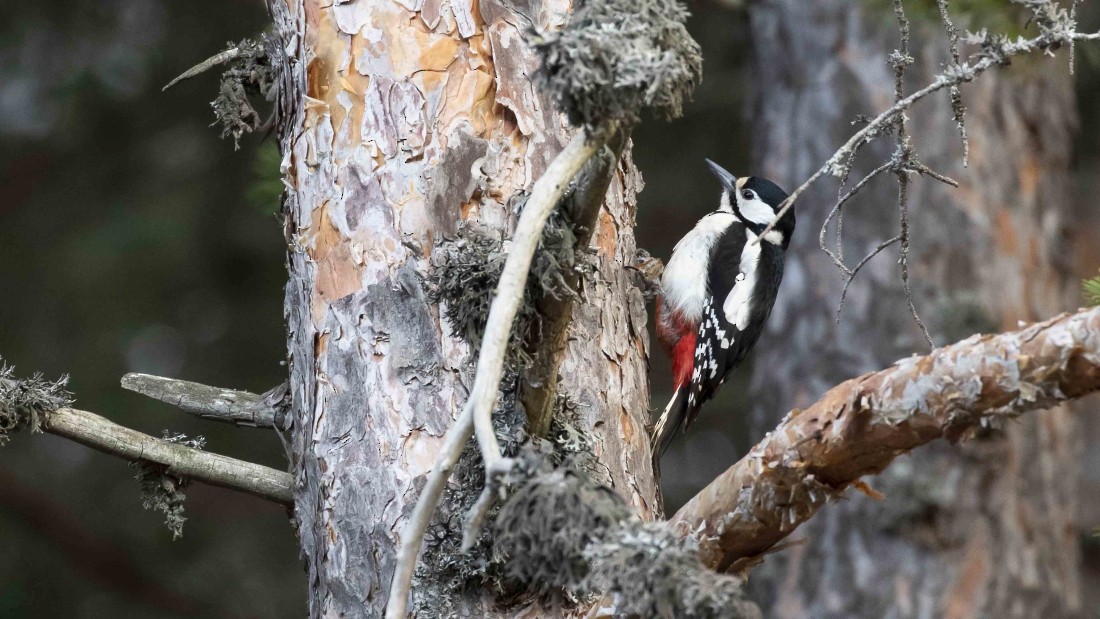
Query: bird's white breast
{"points": [[684, 282], [738, 304]]}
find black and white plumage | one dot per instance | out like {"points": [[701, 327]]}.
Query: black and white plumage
{"points": [[717, 291]]}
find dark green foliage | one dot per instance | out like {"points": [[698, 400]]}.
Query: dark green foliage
{"points": [[468, 267], [26, 402], [616, 57], [253, 73], [653, 573], [162, 491], [1090, 289]]}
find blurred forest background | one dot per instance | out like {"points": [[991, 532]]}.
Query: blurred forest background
{"points": [[132, 239]]}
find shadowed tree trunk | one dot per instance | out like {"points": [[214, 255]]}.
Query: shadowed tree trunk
{"points": [[984, 529], [405, 119]]}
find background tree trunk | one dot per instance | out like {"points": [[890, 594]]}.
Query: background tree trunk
{"points": [[984, 529], [410, 117]]}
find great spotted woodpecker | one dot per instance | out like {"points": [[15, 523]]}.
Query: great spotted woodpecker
{"points": [[716, 293]]}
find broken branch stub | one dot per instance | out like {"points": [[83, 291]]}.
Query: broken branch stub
{"points": [[242, 408]]}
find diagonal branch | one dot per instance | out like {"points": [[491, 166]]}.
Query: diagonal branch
{"points": [[581, 206], [861, 425], [181, 461]]}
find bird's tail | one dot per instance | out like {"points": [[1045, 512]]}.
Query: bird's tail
{"points": [[671, 420]]}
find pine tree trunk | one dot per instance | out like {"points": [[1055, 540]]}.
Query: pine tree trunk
{"points": [[407, 118], [982, 529]]}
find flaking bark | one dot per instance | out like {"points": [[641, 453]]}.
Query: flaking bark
{"points": [[402, 120], [860, 426]]}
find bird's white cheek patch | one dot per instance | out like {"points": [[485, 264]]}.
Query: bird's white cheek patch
{"points": [[737, 306], [756, 211]]}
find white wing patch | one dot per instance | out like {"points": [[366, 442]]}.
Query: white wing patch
{"points": [[738, 304]]}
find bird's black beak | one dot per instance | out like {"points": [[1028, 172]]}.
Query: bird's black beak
{"points": [[729, 181]]}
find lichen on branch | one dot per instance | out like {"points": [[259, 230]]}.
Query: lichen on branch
{"points": [[26, 402], [861, 425], [615, 58], [161, 490], [467, 269]]}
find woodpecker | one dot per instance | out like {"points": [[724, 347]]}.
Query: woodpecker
{"points": [[717, 291]]}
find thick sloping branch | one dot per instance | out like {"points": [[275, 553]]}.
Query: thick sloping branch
{"points": [[241, 408], [581, 207], [179, 460], [861, 425]]}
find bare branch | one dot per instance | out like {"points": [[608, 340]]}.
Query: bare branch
{"points": [[838, 256], [861, 425], [904, 159], [958, 109], [179, 460], [477, 413], [851, 274], [997, 53], [241, 408]]}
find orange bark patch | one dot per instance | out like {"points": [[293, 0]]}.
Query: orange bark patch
{"points": [[412, 48], [337, 270], [963, 599], [1029, 178], [1008, 242], [607, 235], [323, 38], [628, 427]]}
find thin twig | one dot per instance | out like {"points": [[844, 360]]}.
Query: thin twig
{"points": [[958, 109], [179, 460], [838, 258], [477, 413], [977, 64], [241, 408], [904, 157], [1073, 44], [852, 274]]}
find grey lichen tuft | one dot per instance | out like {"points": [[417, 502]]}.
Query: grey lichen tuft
{"points": [[162, 491], [442, 561], [617, 57], [573, 447], [27, 402], [468, 266], [543, 529], [650, 572], [252, 73]]}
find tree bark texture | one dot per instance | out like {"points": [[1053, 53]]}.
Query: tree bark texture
{"points": [[983, 529], [408, 118]]}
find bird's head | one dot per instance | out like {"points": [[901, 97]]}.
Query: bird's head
{"points": [[755, 201]]}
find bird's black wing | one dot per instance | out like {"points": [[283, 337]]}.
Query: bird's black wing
{"points": [[720, 345]]}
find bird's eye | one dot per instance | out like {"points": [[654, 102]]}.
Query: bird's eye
{"points": [[748, 194]]}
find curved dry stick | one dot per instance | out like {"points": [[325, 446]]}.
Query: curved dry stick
{"points": [[477, 413], [837, 258], [861, 425]]}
